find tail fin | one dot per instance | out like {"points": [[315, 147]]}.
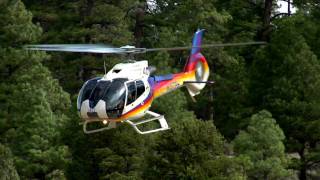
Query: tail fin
{"points": [[197, 41], [197, 64], [195, 50]]}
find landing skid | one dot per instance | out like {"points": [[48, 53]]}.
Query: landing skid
{"points": [[156, 117], [109, 125]]}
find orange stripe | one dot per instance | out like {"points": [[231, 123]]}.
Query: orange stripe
{"points": [[134, 112]]}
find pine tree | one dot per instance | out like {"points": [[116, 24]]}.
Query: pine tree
{"points": [[33, 103], [7, 168], [286, 82], [124, 157], [262, 144], [192, 149]]}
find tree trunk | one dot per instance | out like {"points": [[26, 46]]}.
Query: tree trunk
{"points": [[138, 30], [88, 8], [303, 173], [289, 6], [266, 29], [303, 167], [211, 104], [85, 11], [139, 18]]}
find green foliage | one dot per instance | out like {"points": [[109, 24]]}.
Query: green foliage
{"points": [[246, 19], [231, 101], [56, 175], [193, 149], [123, 158], [34, 114], [262, 144], [7, 168], [16, 27], [33, 102], [82, 21], [308, 27], [287, 79]]}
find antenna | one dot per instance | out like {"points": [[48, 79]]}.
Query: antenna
{"points": [[104, 66]]}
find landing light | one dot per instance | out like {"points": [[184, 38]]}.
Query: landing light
{"points": [[105, 122]]}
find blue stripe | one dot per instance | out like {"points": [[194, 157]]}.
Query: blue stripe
{"points": [[197, 41], [163, 77]]}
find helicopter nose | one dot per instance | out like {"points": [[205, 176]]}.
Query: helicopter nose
{"points": [[95, 110]]}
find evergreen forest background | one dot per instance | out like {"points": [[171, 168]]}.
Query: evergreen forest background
{"points": [[261, 119]]}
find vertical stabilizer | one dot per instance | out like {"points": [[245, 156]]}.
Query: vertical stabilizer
{"points": [[197, 64], [197, 41]]}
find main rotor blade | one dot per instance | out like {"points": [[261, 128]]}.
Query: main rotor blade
{"points": [[101, 48], [87, 48], [207, 46]]}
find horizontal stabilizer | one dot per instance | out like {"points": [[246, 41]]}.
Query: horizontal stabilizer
{"points": [[206, 82]]}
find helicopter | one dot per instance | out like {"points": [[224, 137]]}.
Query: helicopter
{"points": [[125, 93]]}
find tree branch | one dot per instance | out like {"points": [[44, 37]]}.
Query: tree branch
{"points": [[279, 14], [313, 163], [287, 1]]}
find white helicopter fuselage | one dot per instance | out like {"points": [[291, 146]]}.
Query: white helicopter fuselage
{"points": [[133, 73]]}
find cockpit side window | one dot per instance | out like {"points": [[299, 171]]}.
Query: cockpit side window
{"points": [[132, 92], [140, 88]]}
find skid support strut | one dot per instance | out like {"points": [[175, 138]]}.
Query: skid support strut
{"points": [[156, 117]]}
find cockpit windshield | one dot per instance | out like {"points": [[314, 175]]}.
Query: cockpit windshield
{"points": [[86, 90], [113, 93], [98, 92]]}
